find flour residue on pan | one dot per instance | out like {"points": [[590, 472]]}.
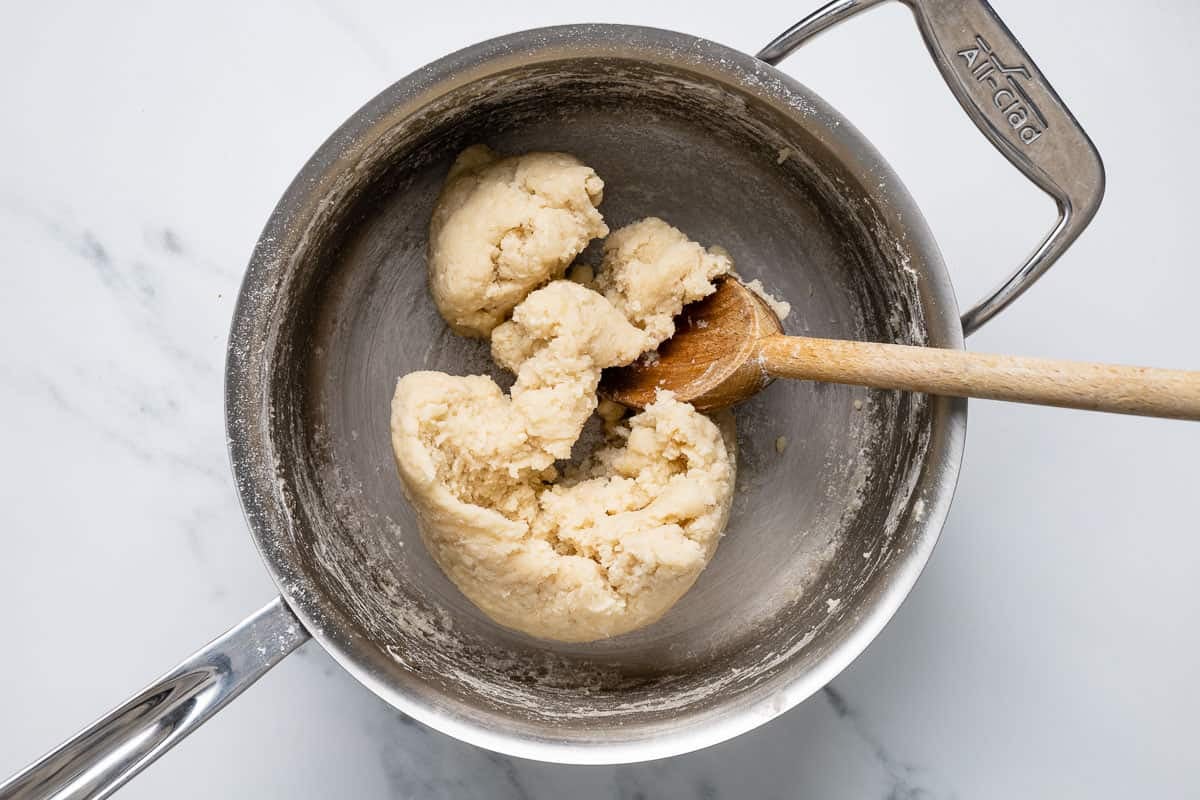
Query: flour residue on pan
{"points": [[355, 316]]}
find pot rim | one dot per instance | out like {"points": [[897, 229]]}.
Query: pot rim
{"points": [[251, 360]]}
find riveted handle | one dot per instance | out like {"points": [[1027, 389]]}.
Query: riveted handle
{"points": [[1011, 102]]}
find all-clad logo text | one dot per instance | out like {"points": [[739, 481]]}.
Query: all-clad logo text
{"points": [[1014, 104]]}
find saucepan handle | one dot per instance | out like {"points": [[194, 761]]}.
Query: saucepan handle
{"points": [[1009, 99], [98, 761]]}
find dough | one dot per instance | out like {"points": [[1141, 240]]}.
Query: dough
{"points": [[650, 270], [603, 546], [504, 226]]}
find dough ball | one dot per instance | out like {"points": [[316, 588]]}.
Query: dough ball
{"points": [[605, 551], [576, 320], [651, 270], [505, 226]]}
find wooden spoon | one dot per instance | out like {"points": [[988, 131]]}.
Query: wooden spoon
{"points": [[730, 345]]}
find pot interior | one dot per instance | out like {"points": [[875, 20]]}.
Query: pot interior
{"points": [[835, 483]]}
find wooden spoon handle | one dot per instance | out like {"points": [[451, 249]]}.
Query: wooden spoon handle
{"points": [[1069, 384]]}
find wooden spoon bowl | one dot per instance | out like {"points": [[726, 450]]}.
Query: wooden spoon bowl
{"points": [[711, 361]]}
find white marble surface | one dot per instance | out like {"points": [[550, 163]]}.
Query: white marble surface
{"points": [[1049, 650]]}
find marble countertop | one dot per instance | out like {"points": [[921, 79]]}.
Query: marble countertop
{"points": [[1049, 650]]}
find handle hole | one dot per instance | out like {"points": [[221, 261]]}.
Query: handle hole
{"points": [[985, 215]]}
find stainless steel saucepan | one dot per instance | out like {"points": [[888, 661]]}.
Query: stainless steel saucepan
{"points": [[826, 538]]}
